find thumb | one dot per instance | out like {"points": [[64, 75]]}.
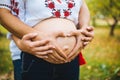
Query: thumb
{"points": [[59, 34], [90, 28], [29, 36], [74, 33]]}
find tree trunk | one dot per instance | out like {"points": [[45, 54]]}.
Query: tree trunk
{"points": [[113, 27]]}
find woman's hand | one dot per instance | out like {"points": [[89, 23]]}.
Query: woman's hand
{"points": [[59, 56], [84, 36], [78, 46]]}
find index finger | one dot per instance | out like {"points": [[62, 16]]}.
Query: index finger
{"points": [[40, 43]]}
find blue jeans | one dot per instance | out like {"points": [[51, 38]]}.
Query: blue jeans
{"points": [[38, 69], [17, 69]]}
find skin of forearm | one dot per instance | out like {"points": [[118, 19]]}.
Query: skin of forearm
{"points": [[16, 40], [13, 24], [84, 15]]}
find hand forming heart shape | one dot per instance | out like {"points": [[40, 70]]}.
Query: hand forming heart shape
{"points": [[53, 27]]}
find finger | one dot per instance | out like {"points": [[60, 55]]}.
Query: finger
{"points": [[43, 48], [88, 34], [78, 46], [58, 57], [74, 33], [86, 39], [85, 43], [29, 36], [72, 58], [56, 60], [50, 60], [53, 58], [59, 51], [40, 43], [90, 28], [38, 46], [59, 34], [42, 57], [44, 53]]}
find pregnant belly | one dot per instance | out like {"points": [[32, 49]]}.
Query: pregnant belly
{"points": [[51, 25]]}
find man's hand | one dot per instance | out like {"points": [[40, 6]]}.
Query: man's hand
{"points": [[88, 32], [43, 48], [39, 47]]}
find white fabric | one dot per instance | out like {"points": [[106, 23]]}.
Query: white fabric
{"points": [[33, 11], [5, 4]]}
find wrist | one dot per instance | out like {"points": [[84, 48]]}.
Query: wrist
{"points": [[83, 25], [40, 35], [19, 45]]}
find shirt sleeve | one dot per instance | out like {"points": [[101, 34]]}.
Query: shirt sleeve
{"points": [[5, 4], [9, 36]]}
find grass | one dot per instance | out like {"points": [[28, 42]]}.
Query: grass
{"points": [[5, 57], [102, 56]]}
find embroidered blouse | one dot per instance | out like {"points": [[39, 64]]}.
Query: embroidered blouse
{"points": [[33, 11]]}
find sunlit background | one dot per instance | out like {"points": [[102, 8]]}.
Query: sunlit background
{"points": [[102, 54]]}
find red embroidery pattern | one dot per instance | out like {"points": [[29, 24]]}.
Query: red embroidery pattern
{"points": [[14, 7], [57, 12], [59, 1]]}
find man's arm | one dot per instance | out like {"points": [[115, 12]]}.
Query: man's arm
{"points": [[13, 24], [33, 47], [84, 24]]}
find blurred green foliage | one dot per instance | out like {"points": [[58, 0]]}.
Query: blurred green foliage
{"points": [[5, 57], [104, 8], [102, 56], [109, 10]]}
